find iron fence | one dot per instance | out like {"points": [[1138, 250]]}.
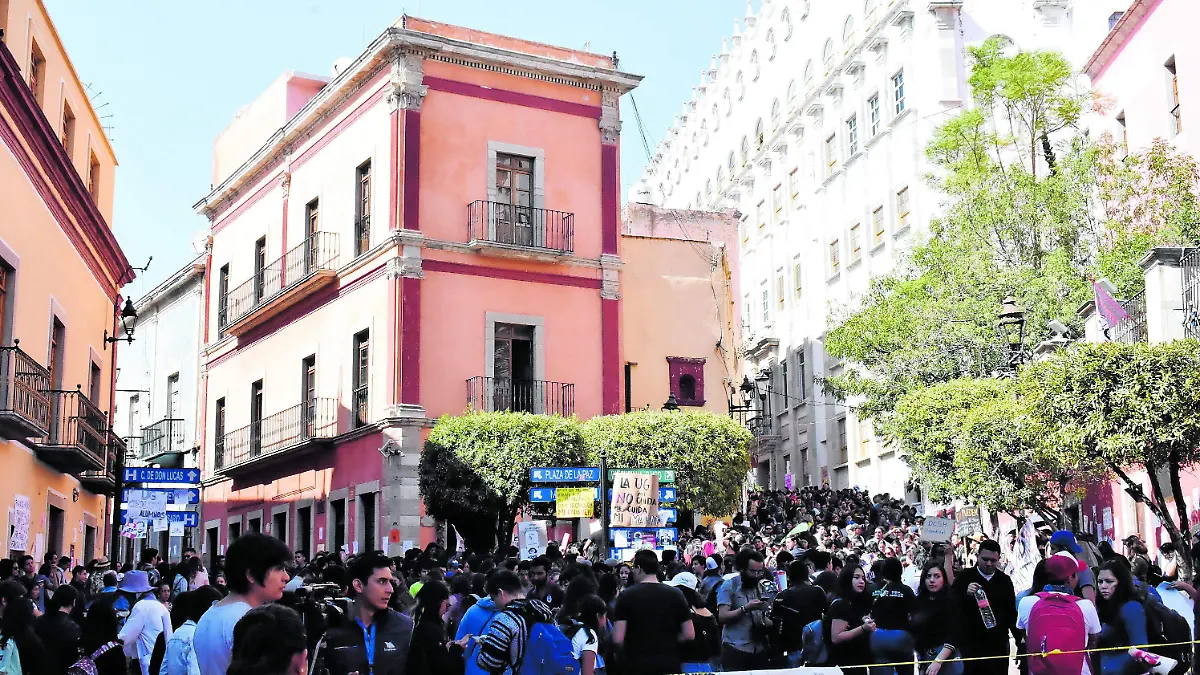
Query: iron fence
{"points": [[277, 433], [1133, 328], [77, 422], [1190, 264], [523, 226], [165, 435], [24, 386], [318, 252], [495, 394]]}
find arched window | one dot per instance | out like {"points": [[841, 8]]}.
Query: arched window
{"points": [[721, 175], [786, 19], [703, 133], [687, 388], [708, 187], [716, 115], [848, 33], [808, 76], [870, 8], [728, 102], [827, 55], [776, 114], [745, 147], [754, 69], [771, 45], [792, 95], [741, 86], [760, 136], [732, 163], [698, 202]]}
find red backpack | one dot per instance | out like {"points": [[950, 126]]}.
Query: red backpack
{"points": [[1056, 623]]}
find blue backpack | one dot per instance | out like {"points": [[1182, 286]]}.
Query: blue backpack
{"points": [[548, 652], [813, 650]]}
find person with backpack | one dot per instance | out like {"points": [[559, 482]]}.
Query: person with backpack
{"points": [[1122, 616], [102, 654], [936, 622], [1055, 619], [800, 605], [502, 588], [524, 639], [589, 622]]}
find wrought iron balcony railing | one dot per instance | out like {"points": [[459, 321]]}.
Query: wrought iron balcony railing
{"points": [[103, 481], [296, 426], [77, 438], [521, 227], [318, 252], [24, 401], [1132, 329], [494, 394], [162, 437]]}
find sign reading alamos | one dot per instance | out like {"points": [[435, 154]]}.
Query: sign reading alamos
{"points": [[635, 500]]}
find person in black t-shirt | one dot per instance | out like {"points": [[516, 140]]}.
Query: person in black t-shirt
{"points": [[799, 605], [848, 624], [650, 621], [936, 622], [893, 603]]}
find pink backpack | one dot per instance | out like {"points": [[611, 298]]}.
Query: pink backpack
{"points": [[1056, 623]]}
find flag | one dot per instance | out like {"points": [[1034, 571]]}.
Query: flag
{"points": [[1111, 312], [459, 544]]}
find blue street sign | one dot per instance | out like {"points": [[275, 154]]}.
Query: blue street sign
{"points": [[188, 518], [665, 494], [631, 532], [666, 515], [142, 474], [193, 495], [542, 495], [579, 474]]}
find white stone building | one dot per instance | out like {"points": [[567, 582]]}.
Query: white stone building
{"points": [[157, 381], [812, 122]]}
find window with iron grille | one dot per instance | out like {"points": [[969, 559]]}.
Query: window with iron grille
{"points": [[308, 393], [4, 274], [361, 384], [362, 216], [218, 431], [222, 298]]}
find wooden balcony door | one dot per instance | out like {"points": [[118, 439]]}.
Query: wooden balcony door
{"points": [[514, 212], [513, 370]]}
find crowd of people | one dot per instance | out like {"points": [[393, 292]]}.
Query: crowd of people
{"points": [[811, 577]]}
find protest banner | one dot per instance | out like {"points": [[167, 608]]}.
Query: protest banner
{"points": [[635, 500], [574, 502], [937, 530]]}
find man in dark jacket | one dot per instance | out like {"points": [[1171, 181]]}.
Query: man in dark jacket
{"points": [[58, 631], [373, 640], [978, 640]]}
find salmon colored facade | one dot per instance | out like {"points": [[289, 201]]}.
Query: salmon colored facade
{"points": [[433, 229], [60, 274]]}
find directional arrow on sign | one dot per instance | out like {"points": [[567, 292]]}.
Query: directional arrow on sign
{"points": [[188, 518], [193, 494], [144, 474]]}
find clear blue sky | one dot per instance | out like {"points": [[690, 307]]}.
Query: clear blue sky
{"points": [[173, 74]]}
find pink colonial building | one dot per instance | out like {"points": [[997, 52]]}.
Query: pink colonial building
{"points": [[433, 229]]}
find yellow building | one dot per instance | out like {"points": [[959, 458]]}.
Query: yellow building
{"points": [[60, 274]]}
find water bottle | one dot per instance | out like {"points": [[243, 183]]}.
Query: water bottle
{"points": [[985, 609]]}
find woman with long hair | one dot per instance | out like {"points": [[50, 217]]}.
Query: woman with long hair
{"points": [[936, 622], [98, 637], [850, 624], [269, 640], [1122, 616], [16, 627], [624, 574], [584, 631], [179, 657], [432, 651]]}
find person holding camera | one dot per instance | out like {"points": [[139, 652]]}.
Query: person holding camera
{"points": [[373, 640], [744, 613]]}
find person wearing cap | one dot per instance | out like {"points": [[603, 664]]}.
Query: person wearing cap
{"points": [[698, 653], [1062, 573], [1063, 541], [146, 621]]}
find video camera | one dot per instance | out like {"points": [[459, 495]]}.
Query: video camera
{"points": [[320, 606]]}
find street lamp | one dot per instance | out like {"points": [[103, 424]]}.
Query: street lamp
{"points": [[1012, 329], [671, 405], [747, 390], [129, 318], [762, 381]]}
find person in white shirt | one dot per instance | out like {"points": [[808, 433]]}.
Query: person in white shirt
{"points": [[146, 621], [585, 628], [180, 657], [1063, 574], [255, 570]]}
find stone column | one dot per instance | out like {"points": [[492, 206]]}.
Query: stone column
{"points": [[400, 496], [1164, 294], [610, 292], [949, 49]]}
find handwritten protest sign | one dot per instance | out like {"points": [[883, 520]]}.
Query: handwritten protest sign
{"points": [[937, 530], [634, 500]]}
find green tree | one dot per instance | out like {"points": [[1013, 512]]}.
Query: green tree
{"points": [[1128, 405], [474, 471], [708, 452]]}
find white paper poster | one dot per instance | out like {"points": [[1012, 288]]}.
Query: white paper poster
{"points": [[407, 544], [39, 546], [532, 537], [176, 529], [160, 525], [1108, 520], [19, 524]]}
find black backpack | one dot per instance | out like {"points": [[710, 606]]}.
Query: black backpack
{"points": [[1165, 626]]}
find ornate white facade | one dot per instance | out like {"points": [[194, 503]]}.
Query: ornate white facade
{"points": [[812, 122]]}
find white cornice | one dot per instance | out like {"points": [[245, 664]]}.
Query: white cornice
{"points": [[389, 46]]}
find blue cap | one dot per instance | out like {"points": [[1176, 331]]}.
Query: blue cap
{"points": [[1065, 540]]}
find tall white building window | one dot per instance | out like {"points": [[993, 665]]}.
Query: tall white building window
{"points": [[873, 114], [848, 34], [797, 278], [793, 97], [808, 76], [766, 304], [898, 91], [760, 134], [855, 243], [776, 114], [777, 203], [902, 209], [835, 258], [745, 148], [852, 135], [794, 188], [877, 226], [827, 55]]}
